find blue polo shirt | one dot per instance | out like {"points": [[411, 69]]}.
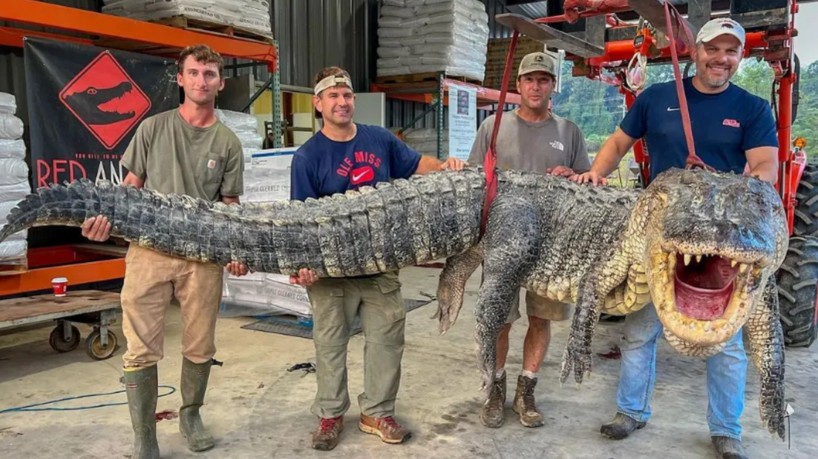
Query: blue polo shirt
{"points": [[725, 126]]}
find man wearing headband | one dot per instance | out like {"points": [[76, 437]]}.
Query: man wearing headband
{"points": [[731, 129], [531, 138], [345, 156]]}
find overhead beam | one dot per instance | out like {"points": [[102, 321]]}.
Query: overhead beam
{"points": [[549, 35]]}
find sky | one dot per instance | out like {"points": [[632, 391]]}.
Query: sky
{"points": [[805, 42]]}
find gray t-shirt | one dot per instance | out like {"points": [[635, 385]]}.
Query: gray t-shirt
{"points": [[173, 156], [532, 147]]}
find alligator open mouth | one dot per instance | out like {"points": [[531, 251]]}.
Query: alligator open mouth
{"points": [[703, 298]]}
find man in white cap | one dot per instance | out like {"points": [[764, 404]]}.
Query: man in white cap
{"points": [[343, 156], [531, 138], [731, 129]]}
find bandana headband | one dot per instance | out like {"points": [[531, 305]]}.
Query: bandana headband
{"points": [[332, 81]]}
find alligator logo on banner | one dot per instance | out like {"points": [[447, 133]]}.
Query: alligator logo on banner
{"points": [[84, 104], [106, 100]]}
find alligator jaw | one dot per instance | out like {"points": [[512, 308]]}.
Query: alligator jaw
{"points": [[696, 307]]}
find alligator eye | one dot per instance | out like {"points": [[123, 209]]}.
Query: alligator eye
{"points": [[91, 91]]}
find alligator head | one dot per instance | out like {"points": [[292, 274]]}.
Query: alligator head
{"points": [[708, 259], [87, 104]]}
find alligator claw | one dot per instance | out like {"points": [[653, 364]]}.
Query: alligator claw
{"points": [[577, 360]]}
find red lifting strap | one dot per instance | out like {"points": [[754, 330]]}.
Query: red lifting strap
{"points": [[693, 160], [490, 160]]}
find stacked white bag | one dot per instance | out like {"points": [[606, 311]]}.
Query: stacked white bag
{"points": [[14, 184], [250, 15], [261, 293], [245, 127], [420, 36]]}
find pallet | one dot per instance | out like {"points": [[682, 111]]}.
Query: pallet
{"points": [[200, 25], [13, 269], [422, 78]]}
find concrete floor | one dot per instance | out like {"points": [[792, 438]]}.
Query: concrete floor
{"points": [[256, 409]]}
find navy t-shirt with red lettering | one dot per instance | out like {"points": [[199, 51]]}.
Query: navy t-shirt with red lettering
{"points": [[725, 126], [323, 167]]}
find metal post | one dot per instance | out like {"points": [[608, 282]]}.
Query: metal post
{"points": [[439, 103]]}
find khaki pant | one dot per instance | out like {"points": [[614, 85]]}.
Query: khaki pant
{"points": [[151, 280], [539, 307], [378, 302]]}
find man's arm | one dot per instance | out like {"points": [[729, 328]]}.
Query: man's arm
{"points": [[763, 163], [608, 158], [430, 164]]}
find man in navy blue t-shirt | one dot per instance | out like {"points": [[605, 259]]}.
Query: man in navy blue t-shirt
{"points": [[732, 130], [345, 156]]}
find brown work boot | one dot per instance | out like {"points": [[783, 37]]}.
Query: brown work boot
{"points": [[524, 403], [328, 433], [492, 414], [386, 427]]}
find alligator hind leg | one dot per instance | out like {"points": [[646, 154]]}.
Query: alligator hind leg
{"points": [[452, 285], [511, 246]]}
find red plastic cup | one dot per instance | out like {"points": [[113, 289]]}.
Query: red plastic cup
{"points": [[60, 285]]}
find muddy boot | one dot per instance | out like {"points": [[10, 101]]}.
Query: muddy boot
{"points": [[620, 427], [524, 403], [328, 434], [492, 414], [142, 385], [194, 385], [729, 448]]}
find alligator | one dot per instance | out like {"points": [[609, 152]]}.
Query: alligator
{"points": [[86, 103], [691, 236]]}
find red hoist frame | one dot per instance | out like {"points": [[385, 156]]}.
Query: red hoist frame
{"points": [[792, 161]]}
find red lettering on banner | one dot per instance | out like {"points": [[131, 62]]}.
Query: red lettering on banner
{"points": [[58, 171]]}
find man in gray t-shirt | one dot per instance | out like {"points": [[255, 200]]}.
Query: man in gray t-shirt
{"points": [[530, 138]]}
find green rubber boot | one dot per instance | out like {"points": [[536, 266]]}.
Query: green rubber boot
{"points": [[142, 385], [194, 385]]}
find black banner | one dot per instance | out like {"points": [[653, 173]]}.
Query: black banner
{"points": [[84, 104]]}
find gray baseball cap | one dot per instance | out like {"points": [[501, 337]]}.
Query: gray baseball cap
{"points": [[720, 26], [537, 62]]}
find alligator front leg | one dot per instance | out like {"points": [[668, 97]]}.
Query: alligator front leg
{"points": [[452, 285], [511, 246], [591, 298], [764, 341]]}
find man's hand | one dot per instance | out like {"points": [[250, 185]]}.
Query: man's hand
{"points": [[590, 177], [452, 163], [560, 171], [305, 277], [237, 268], [97, 228]]}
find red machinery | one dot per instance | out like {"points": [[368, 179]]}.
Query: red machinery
{"points": [[606, 45]]}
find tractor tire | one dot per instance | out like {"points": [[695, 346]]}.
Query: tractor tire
{"points": [[806, 212], [797, 291]]}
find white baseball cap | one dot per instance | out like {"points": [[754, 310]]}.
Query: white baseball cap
{"points": [[721, 26]]}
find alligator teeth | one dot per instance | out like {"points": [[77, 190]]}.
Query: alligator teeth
{"points": [[733, 263], [742, 268], [687, 259], [698, 258]]}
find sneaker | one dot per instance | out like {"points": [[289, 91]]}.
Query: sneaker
{"points": [[621, 426], [729, 448], [492, 414], [524, 403], [328, 433], [386, 427]]}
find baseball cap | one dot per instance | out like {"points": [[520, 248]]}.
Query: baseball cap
{"points": [[537, 62], [721, 26]]}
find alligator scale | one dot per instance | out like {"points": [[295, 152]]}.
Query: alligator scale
{"points": [[701, 247]]}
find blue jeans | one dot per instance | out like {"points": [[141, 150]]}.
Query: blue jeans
{"points": [[726, 375]]}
